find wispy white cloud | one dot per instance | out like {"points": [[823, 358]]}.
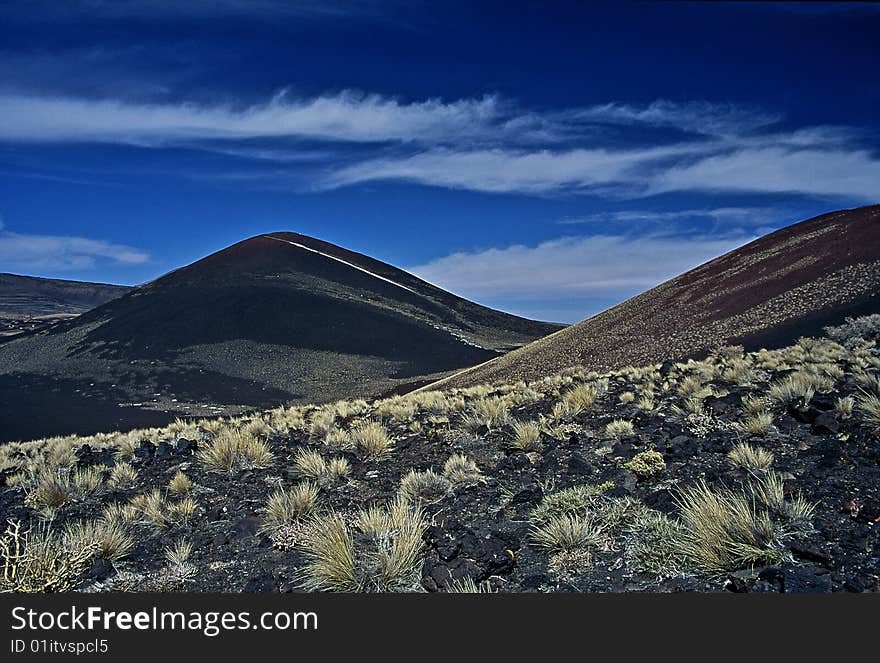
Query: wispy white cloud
{"points": [[485, 144], [739, 215], [564, 270], [759, 167], [701, 117], [498, 170], [28, 252], [853, 173], [346, 116]]}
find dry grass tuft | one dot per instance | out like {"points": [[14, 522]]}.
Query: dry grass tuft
{"points": [[750, 458], [380, 552], [373, 440], [461, 470], [288, 505], [425, 487], [619, 428], [526, 436], [180, 484], [234, 449]]}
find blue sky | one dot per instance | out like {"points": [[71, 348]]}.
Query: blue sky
{"points": [[543, 158]]}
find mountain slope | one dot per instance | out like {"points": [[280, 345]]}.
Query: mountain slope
{"points": [[276, 318], [768, 293], [28, 302], [30, 296]]}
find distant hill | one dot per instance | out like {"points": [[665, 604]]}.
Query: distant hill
{"points": [[768, 293], [26, 296], [276, 318], [28, 303]]}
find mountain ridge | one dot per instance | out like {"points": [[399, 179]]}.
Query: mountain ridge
{"points": [[769, 292]]}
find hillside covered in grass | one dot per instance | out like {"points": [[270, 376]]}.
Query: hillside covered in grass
{"points": [[743, 471]]}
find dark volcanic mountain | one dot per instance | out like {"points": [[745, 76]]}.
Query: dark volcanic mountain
{"points": [[768, 293], [29, 302], [276, 318]]}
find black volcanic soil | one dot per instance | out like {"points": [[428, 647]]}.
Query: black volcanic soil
{"points": [[481, 531], [269, 320], [788, 284]]}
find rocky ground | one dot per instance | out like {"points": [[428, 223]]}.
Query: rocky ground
{"points": [[483, 529]]}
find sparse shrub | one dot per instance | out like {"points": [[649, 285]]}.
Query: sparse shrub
{"points": [[726, 530], [321, 423], [123, 476], [843, 407], [796, 389], [580, 399], [526, 436], [310, 464], [338, 468], [619, 428], [492, 412], [373, 440], [868, 406], [460, 469], [108, 539], [88, 480], [758, 424], [646, 404], [689, 386], [287, 505], [425, 487], [754, 405], [179, 569], [381, 552], [36, 561], [566, 533], [180, 512], [751, 458], [646, 463], [468, 586], [855, 331], [179, 553], [627, 397], [650, 544], [575, 501], [336, 438], [233, 449], [180, 484], [52, 489]]}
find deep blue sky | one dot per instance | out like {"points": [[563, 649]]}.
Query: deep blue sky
{"points": [[544, 158]]}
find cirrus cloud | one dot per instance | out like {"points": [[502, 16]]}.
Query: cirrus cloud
{"points": [[28, 252], [579, 275]]}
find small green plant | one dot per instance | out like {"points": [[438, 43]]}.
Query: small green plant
{"points": [[646, 464], [566, 533]]}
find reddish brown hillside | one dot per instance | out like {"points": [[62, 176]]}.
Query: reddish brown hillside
{"points": [[787, 284]]}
